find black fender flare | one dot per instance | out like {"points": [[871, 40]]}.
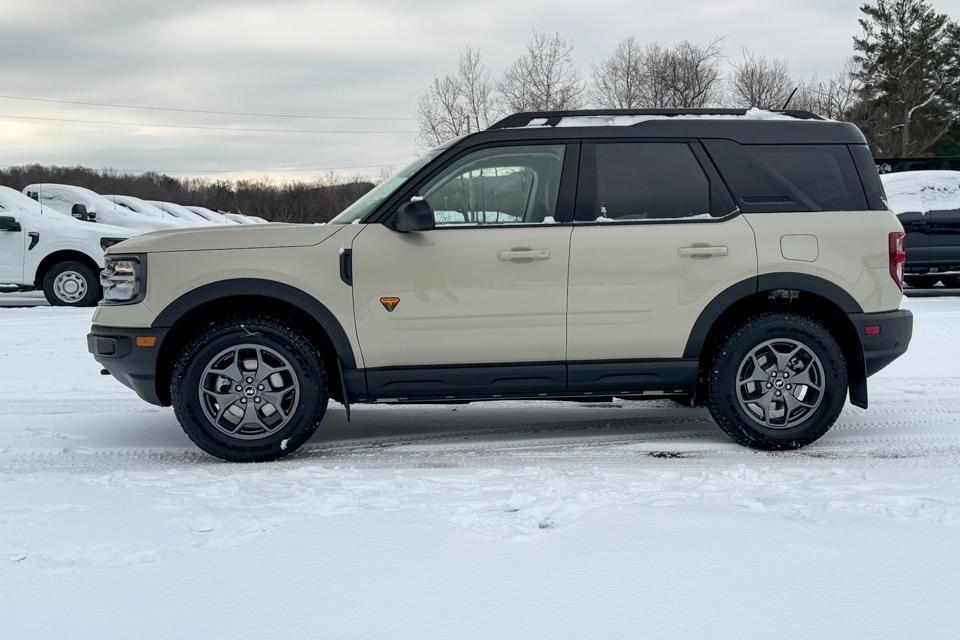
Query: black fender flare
{"points": [[801, 282], [267, 289]]}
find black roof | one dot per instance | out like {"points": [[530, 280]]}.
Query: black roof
{"points": [[801, 128]]}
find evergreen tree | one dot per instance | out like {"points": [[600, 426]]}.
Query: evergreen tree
{"points": [[908, 63]]}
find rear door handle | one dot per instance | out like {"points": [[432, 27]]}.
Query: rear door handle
{"points": [[702, 251], [523, 255]]}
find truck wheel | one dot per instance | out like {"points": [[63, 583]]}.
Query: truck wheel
{"points": [[71, 284], [777, 382], [249, 389], [921, 282]]}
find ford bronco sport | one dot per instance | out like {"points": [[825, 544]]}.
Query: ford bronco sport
{"points": [[742, 260]]}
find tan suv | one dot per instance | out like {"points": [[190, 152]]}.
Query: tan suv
{"points": [[743, 260]]}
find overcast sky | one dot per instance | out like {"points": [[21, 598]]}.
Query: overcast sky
{"points": [[367, 58]]}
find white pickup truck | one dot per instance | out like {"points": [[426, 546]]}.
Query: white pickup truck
{"points": [[41, 248]]}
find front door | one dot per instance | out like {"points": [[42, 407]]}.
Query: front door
{"points": [[486, 288], [11, 253], [656, 239]]}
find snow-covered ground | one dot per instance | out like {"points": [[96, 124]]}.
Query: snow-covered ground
{"points": [[527, 520]]}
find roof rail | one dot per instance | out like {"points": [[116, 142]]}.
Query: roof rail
{"points": [[523, 118]]}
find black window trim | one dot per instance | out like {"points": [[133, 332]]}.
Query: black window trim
{"points": [[566, 195], [587, 184]]}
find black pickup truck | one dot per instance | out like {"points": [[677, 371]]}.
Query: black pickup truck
{"points": [[928, 205]]}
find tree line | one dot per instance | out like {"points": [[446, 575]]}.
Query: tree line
{"points": [[296, 201], [901, 86]]}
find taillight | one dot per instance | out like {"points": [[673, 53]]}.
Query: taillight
{"points": [[897, 257]]}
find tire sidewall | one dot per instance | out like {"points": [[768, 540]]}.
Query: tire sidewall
{"points": [[723, 381], [93, 284], [311, 402]]}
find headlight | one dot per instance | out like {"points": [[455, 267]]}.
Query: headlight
{"points": [[106, 243], [123, 279]]}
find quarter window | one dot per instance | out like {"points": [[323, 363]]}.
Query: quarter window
{"points": [[496, 186], [649, 181], [823, 173]]}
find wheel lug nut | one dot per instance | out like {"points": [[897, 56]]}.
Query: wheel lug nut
{"points": [[778, 393], [769, 385], [256, 399], [788, 387], [260, 387], [243, 401], [249, 380], [239, 388]]}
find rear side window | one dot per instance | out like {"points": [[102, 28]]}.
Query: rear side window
{"points": [[649, 181], [800, 177]]}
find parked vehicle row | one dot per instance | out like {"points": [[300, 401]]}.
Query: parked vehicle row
{"points": [[52, 236], [928, 205]]}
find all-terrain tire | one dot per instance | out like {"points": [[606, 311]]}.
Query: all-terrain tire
{"points": [[723, 381], [71, 284], [279, 338]]}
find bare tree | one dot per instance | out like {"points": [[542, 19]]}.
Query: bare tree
{"points": [[453, 105], [833, 98], [692, 75], [544, 78], [476, 89], [759, 82], [619, 80]]}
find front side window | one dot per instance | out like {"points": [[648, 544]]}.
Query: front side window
{"points": [[649, 181], [497, 186]]}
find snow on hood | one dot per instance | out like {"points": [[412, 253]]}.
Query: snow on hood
{"points": [[922, 191], [234, 236]]}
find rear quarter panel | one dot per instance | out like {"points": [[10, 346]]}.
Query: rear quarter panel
{"points": [[851, 251]]}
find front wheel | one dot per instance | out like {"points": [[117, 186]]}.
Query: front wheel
{"points": [[777, 382], [71, 284], [249, 389]]}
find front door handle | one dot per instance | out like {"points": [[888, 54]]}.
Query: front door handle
{"points": [[702, 251], [522, 254]]}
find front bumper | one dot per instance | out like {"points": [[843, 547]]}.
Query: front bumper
{"points": [[116, 349], [884, 336]]}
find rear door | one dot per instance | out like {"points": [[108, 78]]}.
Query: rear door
{"points": [[656, 239]]}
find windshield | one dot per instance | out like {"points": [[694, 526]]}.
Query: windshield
{"points": [[371, 199]]}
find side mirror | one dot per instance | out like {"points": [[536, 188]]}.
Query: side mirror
{"points": [[9, 223], [79, 211], [416, 215]]}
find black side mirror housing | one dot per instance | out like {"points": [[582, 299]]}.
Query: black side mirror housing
{"points": [[416, 215], [79, 211], [9, 223]]}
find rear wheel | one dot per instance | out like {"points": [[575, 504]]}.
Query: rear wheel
{"points": [[249, 389], [921, 282], [71, 284], [777, 382]]}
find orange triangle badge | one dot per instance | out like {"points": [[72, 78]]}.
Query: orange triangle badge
{"points": [[390, 303]]}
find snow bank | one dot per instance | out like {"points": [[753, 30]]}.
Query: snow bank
{"points": [[922, 191]]}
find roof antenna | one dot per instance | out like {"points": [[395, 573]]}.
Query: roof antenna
{"points": [[789, 98]]}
